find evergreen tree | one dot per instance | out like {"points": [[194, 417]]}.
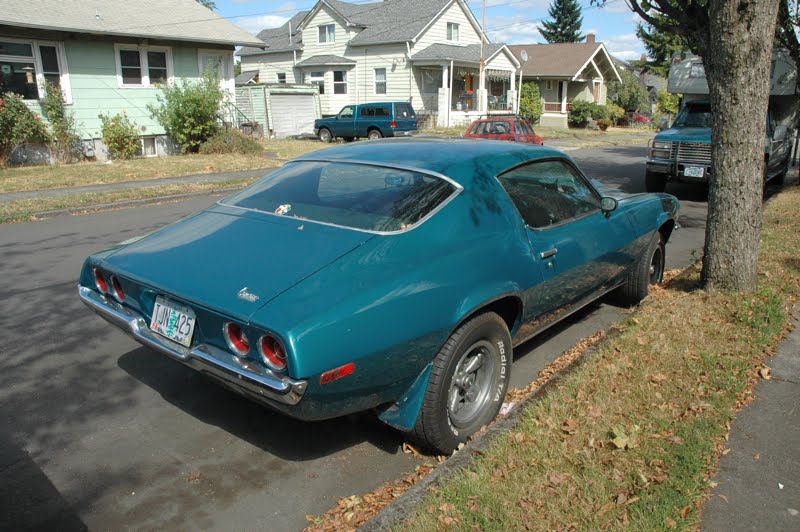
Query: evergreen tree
{"points": [[565, 22], [660, 47], [208, 3]]}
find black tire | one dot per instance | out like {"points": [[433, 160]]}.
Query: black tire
{"points": [[449, 416], [781, 177], [655, 182], [347, 139], [649, 269], [374, 134], [325, 135]]}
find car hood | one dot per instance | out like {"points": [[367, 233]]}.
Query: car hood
{"points": [[685, 134], [231, 260]]}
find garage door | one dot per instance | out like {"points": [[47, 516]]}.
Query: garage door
{"points": [[293, 114]]}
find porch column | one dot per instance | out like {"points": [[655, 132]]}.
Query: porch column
{"points": [[443, 115], [564, 96]]}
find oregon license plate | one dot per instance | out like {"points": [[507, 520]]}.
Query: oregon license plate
{"points": [[694, 171], [173, 321]]}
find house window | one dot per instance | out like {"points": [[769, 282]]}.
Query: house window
{"points": [[281, 77], [380, 81], [327, 33], [340, 82], [452, 31], [431, 80], [26, 65], [142, 66], [318, 79], [549, 84]]}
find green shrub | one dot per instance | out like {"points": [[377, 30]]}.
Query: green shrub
{"points": [[615, 112], [580, 112], [18, 125], [120, 136], [530, 103], [65, 141], [189, 112], [667, 103], [599, 112], [603, 123], [231, 141]]}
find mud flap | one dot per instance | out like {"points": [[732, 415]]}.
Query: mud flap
{"points": [[403, 414]]}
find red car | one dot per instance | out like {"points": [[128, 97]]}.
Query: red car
{"points": [[504, 128]]}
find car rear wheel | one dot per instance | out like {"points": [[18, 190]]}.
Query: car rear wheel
{"points": [[325, 135], [374, 134], [468, 383], [648, 270], [655, 182]]}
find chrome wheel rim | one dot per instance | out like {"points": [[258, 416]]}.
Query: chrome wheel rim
{"points": [[471, 384], [657, 266]]}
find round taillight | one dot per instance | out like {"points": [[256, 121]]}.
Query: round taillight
{"points": [[99, 282], [236, 339], [272, 352], [117, 288]]}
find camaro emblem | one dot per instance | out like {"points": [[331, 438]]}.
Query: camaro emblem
{"points": [[247, 296]]}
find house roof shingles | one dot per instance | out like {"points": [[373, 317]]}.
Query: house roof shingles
{"points": [[245, 77], [277, 39], [322, 60], [557, 60], [452, 52], [180, 20]]}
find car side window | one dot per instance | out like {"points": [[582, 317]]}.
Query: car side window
{"points": [[517, 128], [347, 112], [366, 111], [549, 193]]}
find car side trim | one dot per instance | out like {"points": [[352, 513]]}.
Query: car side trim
{"points": [[204, 358]]}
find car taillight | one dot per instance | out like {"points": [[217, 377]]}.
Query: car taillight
{"points": [[117, 288], [392, 124], [272, 352], [236, 339], [99, 282]]}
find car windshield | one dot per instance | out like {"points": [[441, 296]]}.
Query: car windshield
{"points": [[697, 115], [358, 196]]}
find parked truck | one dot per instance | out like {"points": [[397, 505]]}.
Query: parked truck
{"points": [[682, 153]]}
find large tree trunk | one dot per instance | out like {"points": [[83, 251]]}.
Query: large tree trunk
{"points": [[738, 59]]}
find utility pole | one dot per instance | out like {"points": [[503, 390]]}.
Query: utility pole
{"points": [[484, 99]]}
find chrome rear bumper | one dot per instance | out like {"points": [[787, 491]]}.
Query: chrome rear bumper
{"points": [[204, 358]]}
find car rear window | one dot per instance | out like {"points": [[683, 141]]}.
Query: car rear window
{"points": [[491, 127], [403, 110], [358, 196]]}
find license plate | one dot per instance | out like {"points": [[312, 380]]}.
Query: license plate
{"points": [[694, 171], [173, 321]]}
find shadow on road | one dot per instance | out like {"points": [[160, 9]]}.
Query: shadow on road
{"points": [[268, 430]]}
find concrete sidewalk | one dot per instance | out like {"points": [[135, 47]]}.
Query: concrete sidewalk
{"points": [[759, 479]]}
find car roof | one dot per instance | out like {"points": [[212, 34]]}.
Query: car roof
{"points": [[461, 159]]}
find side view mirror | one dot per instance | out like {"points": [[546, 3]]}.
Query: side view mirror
{"points": [[780, 132], [608, 204]]}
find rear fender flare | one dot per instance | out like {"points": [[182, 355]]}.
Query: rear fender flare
{"points": [[403, 414]]}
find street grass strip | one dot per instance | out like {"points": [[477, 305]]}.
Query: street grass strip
{"points": [[631, 438], [25, 210], [27, 178]]}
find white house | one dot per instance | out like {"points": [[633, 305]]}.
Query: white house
{"points": [[427, 52]]}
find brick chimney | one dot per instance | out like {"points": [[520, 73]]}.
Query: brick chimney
{"points": [[590, 38]]}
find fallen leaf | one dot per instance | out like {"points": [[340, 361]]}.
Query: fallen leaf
{"points": [[723, 497], [658, 378], [517, 437], [765, 373], [756, 456], [726, 451], [446, 507], [632, 500], [603, 509], [677, 440], [569, 426], [559, 478], [671, 523], [196, 477], [595, 411], [685, 511], [409, 449], [621, 499]]}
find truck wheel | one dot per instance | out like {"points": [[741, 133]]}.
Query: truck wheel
{"points": [[374, 134], [468, 383], [325, 135], [655, 182]]}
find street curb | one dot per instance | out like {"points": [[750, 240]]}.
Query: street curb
{"points": [[401, 507], [132, 203]]}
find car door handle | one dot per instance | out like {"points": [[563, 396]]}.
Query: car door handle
{"points": [[549, 253]]}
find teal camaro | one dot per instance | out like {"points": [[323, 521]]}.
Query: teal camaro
{"points": [[394, 275]]}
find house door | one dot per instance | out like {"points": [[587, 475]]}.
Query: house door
{"points": [[560, 91], [220, 64], [596, 87]]}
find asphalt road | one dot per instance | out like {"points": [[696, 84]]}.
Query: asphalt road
{"points": [[98, 432]]}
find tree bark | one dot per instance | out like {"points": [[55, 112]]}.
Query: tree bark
{"points": [[738, 59]]}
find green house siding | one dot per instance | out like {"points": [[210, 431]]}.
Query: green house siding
{"points": [[95, 90]]}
